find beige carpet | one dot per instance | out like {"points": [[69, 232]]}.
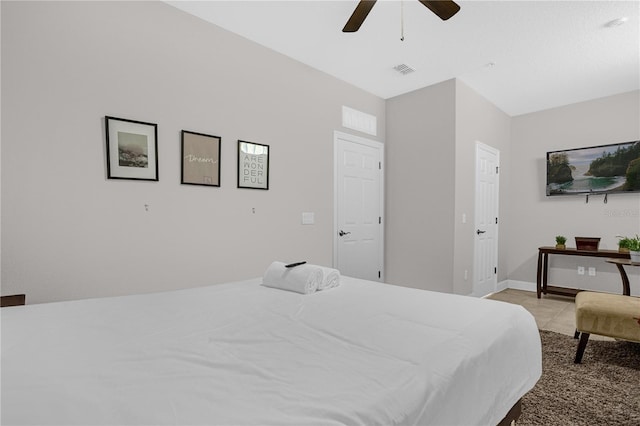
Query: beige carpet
{"points": [[603, 390]]}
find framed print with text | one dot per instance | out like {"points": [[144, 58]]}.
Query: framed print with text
{"points": [[200, 159], [253, 165], [132, 149]]}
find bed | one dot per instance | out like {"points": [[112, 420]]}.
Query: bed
{"points": [[244, 354]]}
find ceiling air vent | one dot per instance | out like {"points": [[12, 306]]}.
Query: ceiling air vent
{"points": [[404, 69]]}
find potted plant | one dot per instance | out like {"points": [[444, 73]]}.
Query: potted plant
{"points": [[623, 244], [634, 248], [560, 242]]}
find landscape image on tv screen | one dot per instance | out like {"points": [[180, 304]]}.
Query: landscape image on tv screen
{"points": [[604, 168]]}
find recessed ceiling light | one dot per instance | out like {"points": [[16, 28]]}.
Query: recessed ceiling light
{"points": [[616, 22], [490, 65]]}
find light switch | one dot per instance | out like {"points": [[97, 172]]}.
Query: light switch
{"points": [[308, 218]]}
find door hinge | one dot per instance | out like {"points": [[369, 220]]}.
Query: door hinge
{"points": [[495, 270], [379, 274], [496, 220], [379, 219], [379, 165], [497, 167]]}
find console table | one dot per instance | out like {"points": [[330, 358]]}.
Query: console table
{"points": [[626, 288], [543, 267]]}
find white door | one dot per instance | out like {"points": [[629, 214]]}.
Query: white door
{"points": [[358, 206], [485, 277]]}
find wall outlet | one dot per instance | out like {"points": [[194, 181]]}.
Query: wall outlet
{"points": [[592, 271], [308, 218], [580, 270]]}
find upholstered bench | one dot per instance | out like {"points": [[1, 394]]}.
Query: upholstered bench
{"points": [[606, 314]]}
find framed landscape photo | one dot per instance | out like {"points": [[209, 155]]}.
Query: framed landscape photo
{"points": [[132, 149], [253, 165], [200, 159], [612, 168]]}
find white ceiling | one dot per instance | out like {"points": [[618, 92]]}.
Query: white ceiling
{"points": [[546, 53]]}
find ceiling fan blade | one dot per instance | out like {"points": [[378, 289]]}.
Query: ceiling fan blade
{"points": [[445, 9], [358, 16]]}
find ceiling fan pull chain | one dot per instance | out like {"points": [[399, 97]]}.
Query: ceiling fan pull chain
{"points": [[401, 20]]}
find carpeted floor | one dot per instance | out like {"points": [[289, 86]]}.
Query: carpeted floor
{"points": [[603, 390]]}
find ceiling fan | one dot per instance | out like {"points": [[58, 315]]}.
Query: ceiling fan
{"points": [[445, 9]]}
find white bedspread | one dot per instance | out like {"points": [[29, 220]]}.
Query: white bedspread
{"points": [[243, 354]]}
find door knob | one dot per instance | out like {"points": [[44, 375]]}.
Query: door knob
{"points": [[342, 233], [480, 232]]}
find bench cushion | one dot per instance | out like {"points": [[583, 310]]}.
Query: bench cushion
{"points": [[610, 315]]}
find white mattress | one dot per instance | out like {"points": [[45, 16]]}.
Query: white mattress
{"points": [[243, 354]]}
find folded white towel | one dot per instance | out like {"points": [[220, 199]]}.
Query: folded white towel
{"points": [[330, 278], [303, 279]]}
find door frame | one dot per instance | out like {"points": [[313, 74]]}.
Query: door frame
{"points": [[337, 135], [496, 152]]}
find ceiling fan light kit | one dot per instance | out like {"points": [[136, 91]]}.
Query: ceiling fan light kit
{"points": [[444, 9]]}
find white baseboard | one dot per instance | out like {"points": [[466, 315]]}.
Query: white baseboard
{"points": [[502, 285], [521, 285], [514, 284]]}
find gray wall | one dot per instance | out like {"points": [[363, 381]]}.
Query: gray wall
{"points": [[431, 139], [536, 219], [420, 188], [431, 135], [0, 161], [70, 233], [477, 120]]}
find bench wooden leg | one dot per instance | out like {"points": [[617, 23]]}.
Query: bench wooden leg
{"points": [[584, 338]]}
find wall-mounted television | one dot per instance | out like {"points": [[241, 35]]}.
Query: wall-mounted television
{"points": [[613, 168]]}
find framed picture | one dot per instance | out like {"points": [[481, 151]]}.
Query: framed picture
{"points": [[132, 149], [612, 168], [200, 159], [253, 165]]}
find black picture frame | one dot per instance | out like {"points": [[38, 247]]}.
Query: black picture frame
{"points": [[132, 149], [200, 155], [602, 169], [253, 165]]}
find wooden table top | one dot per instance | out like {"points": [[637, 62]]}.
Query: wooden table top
{"points": [[622, 262], [592, 253]]}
